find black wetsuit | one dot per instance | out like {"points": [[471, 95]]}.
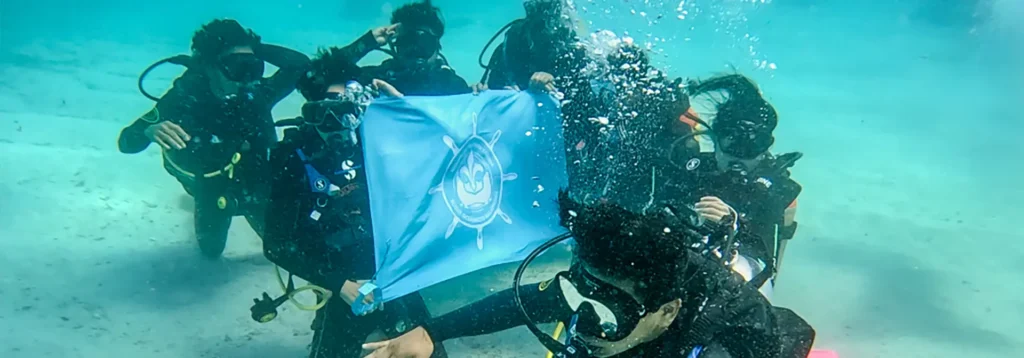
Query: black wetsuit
{"points": [[434, 79], [328, 239], [719, 312], [418, 80], [528, 49], [761, 197], [224, 164]]}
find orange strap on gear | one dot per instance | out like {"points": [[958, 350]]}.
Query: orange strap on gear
{"points": [[688, 118]]}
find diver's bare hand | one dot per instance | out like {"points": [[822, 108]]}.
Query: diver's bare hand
{"points": [[386, 88], [168, 135], [385, 34], [542, 82], [350, 292], [413, 344], [713, 209], [479, 87]]}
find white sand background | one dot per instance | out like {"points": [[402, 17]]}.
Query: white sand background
{"points": [[909, 244]]}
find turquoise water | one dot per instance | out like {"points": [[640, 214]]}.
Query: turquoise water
{"points": [[907, 111]]}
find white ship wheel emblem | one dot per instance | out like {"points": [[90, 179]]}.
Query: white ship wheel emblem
{"points": [[472, 184]]}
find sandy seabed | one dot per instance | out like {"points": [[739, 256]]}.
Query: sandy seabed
{"points": [[907, 247]]}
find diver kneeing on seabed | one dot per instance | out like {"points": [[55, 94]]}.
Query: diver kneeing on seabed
{"points": [[215, 127]]}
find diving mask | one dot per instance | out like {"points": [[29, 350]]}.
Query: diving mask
{"points": [[612, 313], [744, 139], [600, 310], [338, 111], [420, 43], [242, 67]]}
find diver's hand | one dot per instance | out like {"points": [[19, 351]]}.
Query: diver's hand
{"points": [[413, 344], [542, 82], [168, 135], [385, 34], [350, 292], [386, 88], [479, 87], [713, 209]]}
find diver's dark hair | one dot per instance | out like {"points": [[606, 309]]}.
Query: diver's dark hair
{"points": [[744, 103], [651, 249], [329, 67], [421, 14], [220, 35]]}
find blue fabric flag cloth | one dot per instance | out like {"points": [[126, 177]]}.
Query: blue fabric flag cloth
{"points": [[460, 183]]}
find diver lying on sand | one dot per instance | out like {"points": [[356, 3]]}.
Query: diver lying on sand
{"points": [[636, 289]]}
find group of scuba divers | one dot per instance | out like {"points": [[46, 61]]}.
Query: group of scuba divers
{"points": [[679, 212]]}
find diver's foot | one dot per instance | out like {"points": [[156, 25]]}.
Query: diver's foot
{"points": [[211, 246], [211, 228]]}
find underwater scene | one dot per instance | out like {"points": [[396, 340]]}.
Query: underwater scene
{"points": [[511, 178]]}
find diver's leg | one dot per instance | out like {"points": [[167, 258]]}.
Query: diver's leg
{"points": [[406, 313], [338, 333], [211, 222]]}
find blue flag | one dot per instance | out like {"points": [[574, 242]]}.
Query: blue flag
{"points": [[460, 183]]}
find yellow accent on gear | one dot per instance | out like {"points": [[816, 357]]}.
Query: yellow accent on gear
{"points": [[222, 203], [558, 332], [323, 294], [268, 317], [153, 116], [544, 285], [229, 169]]}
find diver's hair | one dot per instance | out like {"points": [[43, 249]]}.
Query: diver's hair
{"points": [[744, 103], [421, 14], [629, 60], [651, 249], [219, 35], [329, 67]]}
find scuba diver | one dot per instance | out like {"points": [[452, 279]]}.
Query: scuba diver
{"points": [[214, 125], [318, 223], [417, 67], [655, 119], [636, 288], [543, 42], [720, 149]]}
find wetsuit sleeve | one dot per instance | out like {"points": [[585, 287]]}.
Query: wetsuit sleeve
{"points": [[361, 47], [284, 242], [291, 65], [456, 84], [173, 106], [133, 138], [499, 312], [744, 323]]}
